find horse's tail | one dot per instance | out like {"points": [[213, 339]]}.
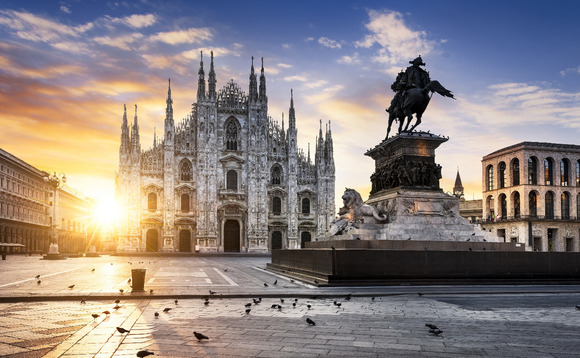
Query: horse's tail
{"points": [[435, 86]]}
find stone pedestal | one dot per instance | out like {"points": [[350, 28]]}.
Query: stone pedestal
{"points": [[168, 244], [53, 253]]}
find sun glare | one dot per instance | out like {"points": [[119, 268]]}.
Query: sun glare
{"points": [[107, 211]]}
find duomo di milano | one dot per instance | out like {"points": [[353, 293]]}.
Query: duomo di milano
{"points": [[225, 178]]}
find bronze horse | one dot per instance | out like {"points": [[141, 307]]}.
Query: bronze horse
{"points": [[415, 100]]}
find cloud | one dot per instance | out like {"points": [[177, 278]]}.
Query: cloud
{"points": [[284, 65], [136, 21], [65, 9], [326, 42], [349, 60], [315, 84], [397, 42], [189, 36], [296, 78], [122, 42], [286, 46]]}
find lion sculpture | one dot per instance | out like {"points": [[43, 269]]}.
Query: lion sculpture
{"points": [[353, 212]]}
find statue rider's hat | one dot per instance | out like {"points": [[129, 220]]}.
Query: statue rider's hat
{"points": [[418, 61]]}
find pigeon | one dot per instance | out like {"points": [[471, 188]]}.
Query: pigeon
{"points": [[432, 326], [176, 301], [291, 280], [265, 284], [473, 234], [142, 354], [255, 301], [83, 301], [310, 322], [578, 307], [150, 292], [93, 270], [279, 307], [95, 316], [37, 277], [248, 310], [309, 306], [436, 331], [295, 300], [276, 282], [117, 301], [248, 305], [166, 309], [121, 290], [293, 304], [316, 282], [372, 299], [225, 270], [206, 303], [116, 307], [38, 282], [129, 281], [199, 336], [420, 294], [348, 297], [122, 330], [71, 287], [107, 312], [211, 292], [275, 305], [282, 300]]}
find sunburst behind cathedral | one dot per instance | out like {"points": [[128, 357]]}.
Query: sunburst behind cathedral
{"points": [[226, 178]]}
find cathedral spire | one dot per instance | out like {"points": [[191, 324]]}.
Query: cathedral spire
{"points": [[154, 137], [169, 101], [458, 188], [263, 97], [291, 112], [135, 142], [125, 141], [201, 81], [211, 80], [253, 84]]}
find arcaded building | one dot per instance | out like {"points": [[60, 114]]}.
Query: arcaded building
{"points": [[531, 195], [227, 177]]}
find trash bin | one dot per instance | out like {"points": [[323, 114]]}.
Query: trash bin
{"points": [[138, 279]]}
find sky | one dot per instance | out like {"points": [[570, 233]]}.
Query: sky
{"points": [[67, 68]]}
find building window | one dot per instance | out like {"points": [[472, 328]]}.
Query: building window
{"points": [[532, 171], [549, 205], [516, 204], [578, 173], [276, 175], [489, 177], [184, 202], [502, 175], [152, 201], [305, 206], [276, 205], [185, 170], [231, 136], [548, 172], [515, 172], [565, 206], [232, 180], [533, 204], [503, 207], [578, 206], [564, 172]]}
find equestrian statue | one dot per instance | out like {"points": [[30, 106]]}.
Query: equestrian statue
{"points": [[413, 89]]}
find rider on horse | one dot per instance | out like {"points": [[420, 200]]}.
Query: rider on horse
{"points": [[413, 77]]}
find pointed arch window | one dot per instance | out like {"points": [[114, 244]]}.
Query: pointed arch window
{"points": [[276, 205], [232, 180], [152, 201], [185, 202], [231, 136], [276, 175], [305, 206], [185, 170]]}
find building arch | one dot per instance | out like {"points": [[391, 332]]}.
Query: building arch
{"points": [[276, 240], [152, 240], [565, 205], [502, 175], [276, 177], [489, 177], [564, 172], [232, 131], [549, 205], [502, 214], [185, 170], [533, 204], [515, 174], [515, 203], [548, 171], [533, 170], [185, 241], [490, 207], [232, 236], [305, 236]]}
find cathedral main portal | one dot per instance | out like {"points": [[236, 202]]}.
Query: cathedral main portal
{"points": [[231, 236]]}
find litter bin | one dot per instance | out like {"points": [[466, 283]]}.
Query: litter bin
{"points": [[138, 279]]}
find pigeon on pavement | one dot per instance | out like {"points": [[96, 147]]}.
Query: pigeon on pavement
{"points": [[310, 322], [142, 354], [199, 336], [122, 330]]}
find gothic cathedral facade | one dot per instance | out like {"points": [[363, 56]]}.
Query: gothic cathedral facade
{"points": [[227, 178]]}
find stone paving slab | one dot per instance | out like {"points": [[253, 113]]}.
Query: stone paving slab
{"points": [[389, 326]]}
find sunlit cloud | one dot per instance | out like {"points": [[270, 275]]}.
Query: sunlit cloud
{"points": [[349, 60], [34, 28], [396, 40], [138, 21], [188, 36], [122, 42], [65, 9], [296, 78], [326, 42], [315, 84]]}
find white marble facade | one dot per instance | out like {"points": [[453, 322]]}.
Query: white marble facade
{"points": [[226, 178]]}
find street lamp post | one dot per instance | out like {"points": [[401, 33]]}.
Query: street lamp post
{"points": [[55, 182]]}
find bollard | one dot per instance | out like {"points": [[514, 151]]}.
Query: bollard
{"points": [[138, 279]]}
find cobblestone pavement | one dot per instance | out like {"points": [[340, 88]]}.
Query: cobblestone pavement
{"points": [[390, 325]]}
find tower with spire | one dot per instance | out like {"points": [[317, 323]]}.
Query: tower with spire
{"points": [[227, 177], [458, 187]]}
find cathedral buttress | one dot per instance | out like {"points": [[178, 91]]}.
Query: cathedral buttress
{"points": [[167, 200]]}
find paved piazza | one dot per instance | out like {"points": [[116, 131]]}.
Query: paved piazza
{"points": [[49, 319]]}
